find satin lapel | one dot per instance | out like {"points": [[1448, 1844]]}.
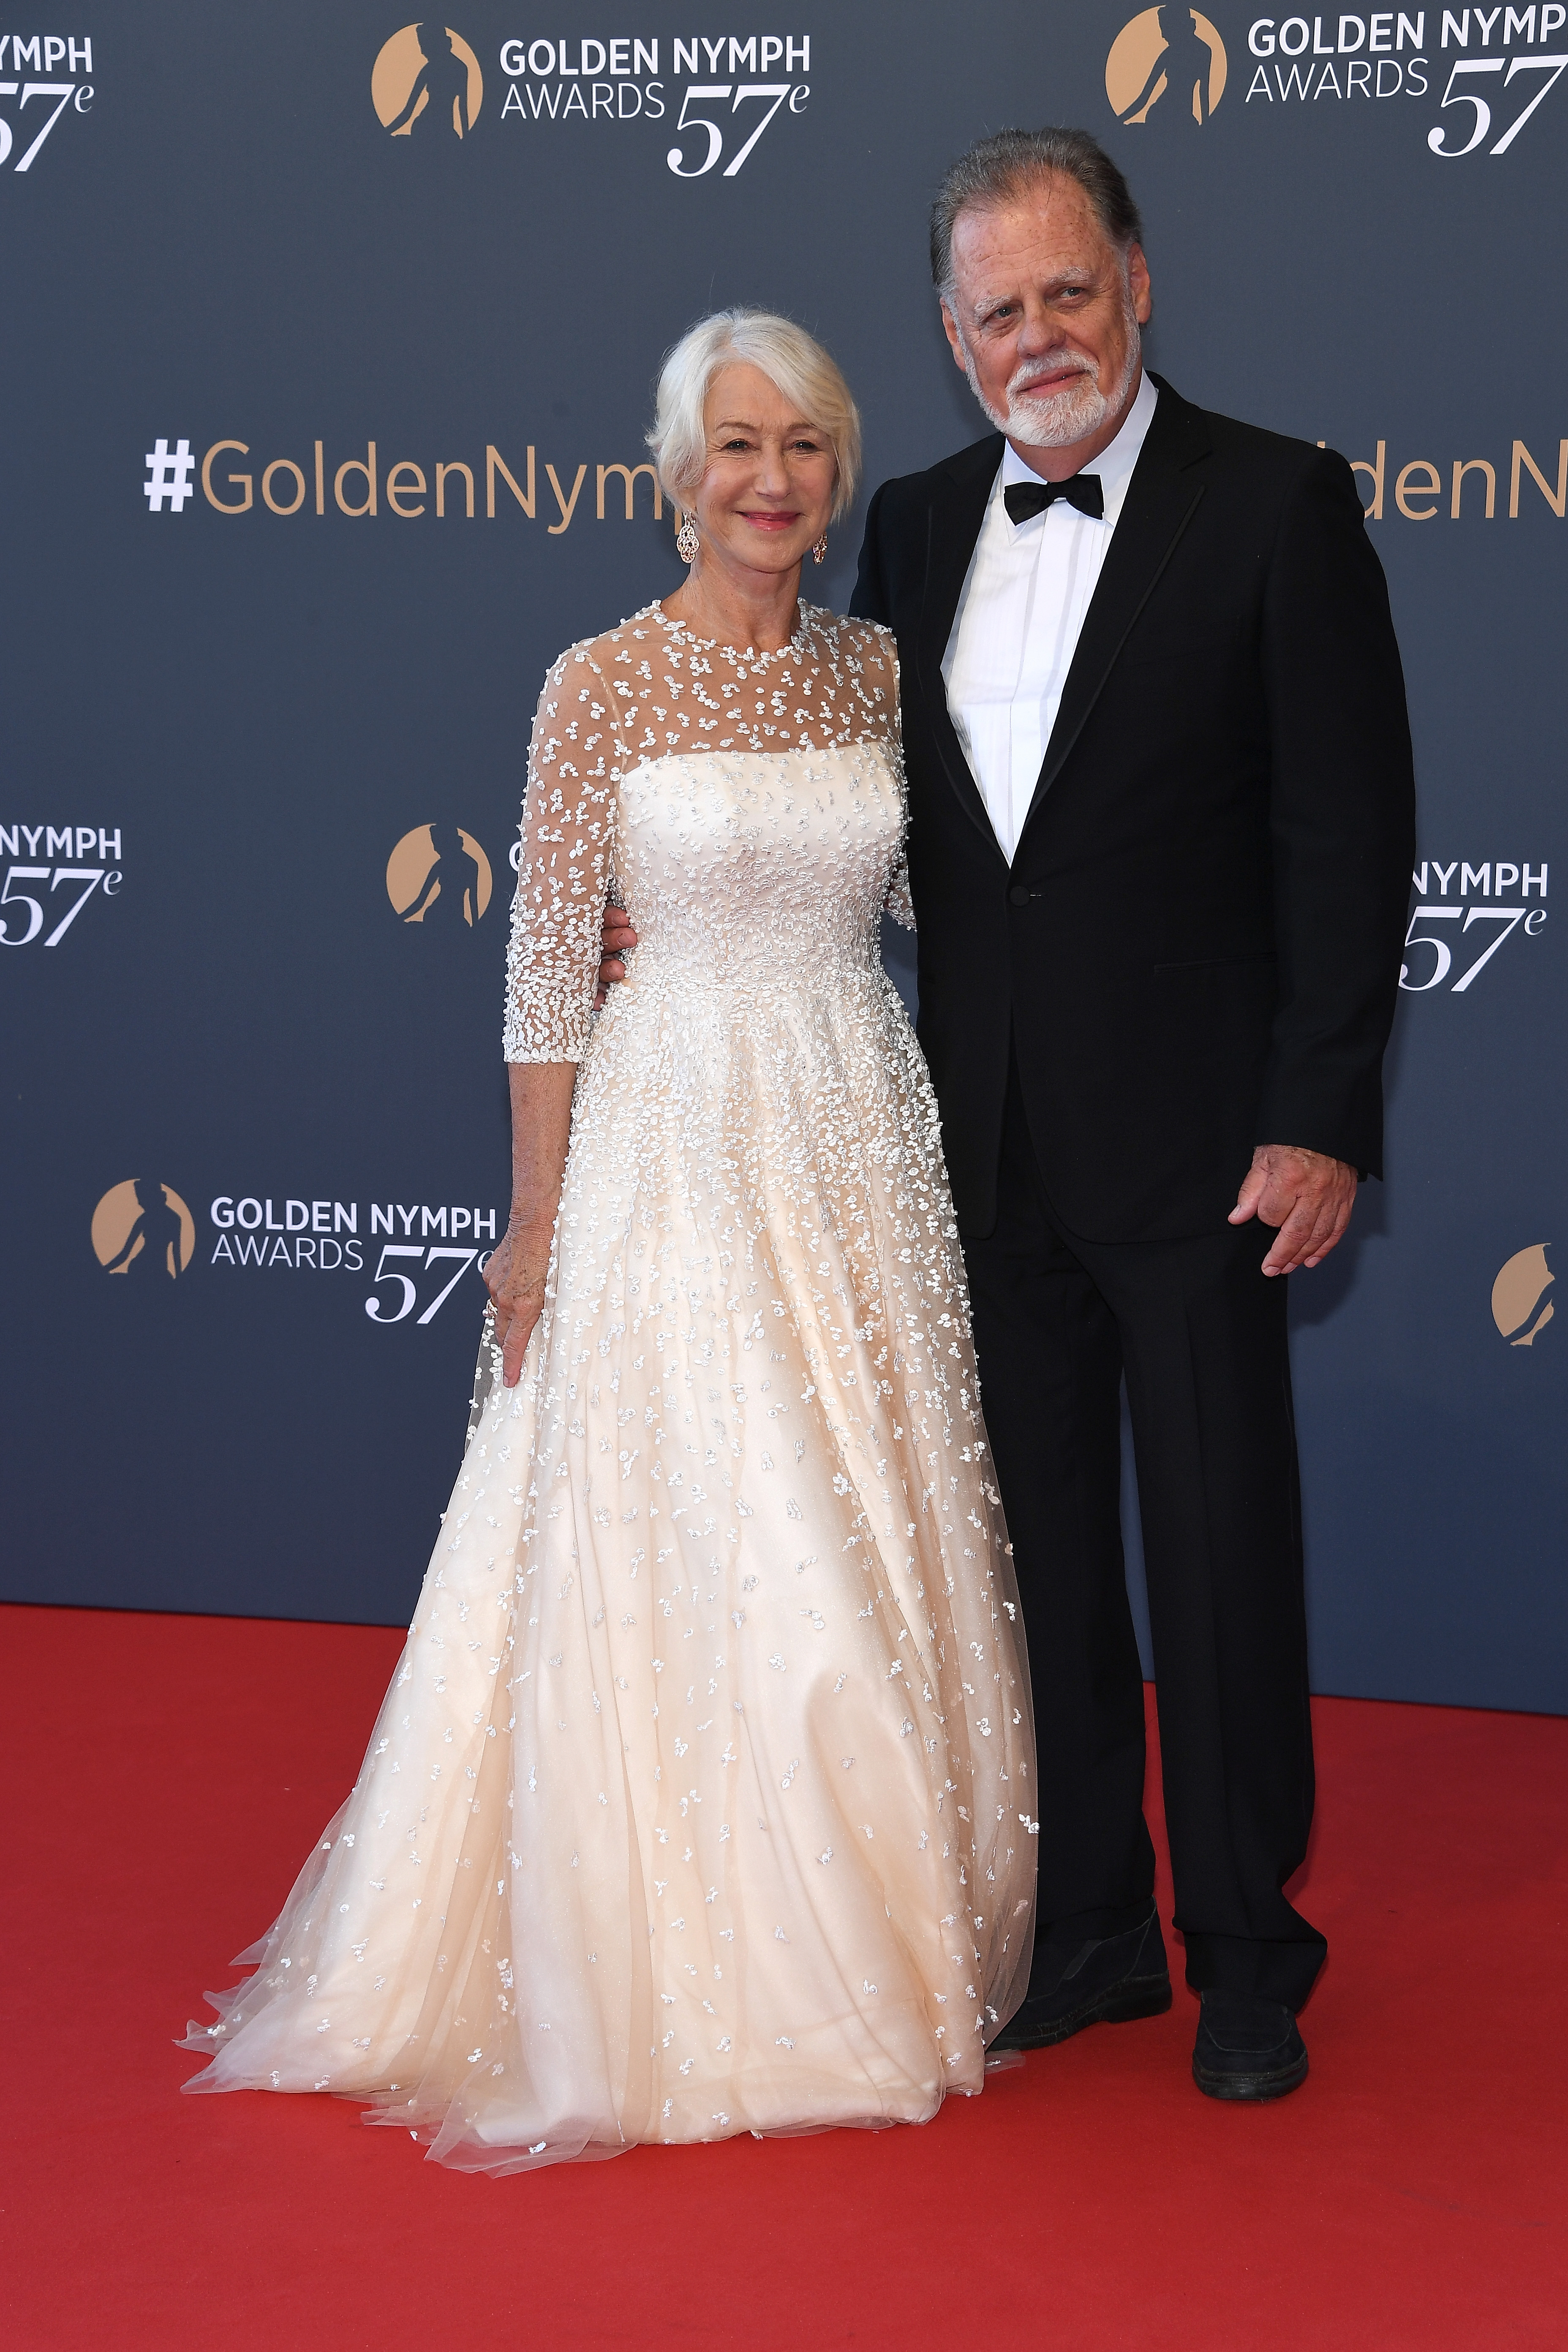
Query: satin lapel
{"points": [[953, 518], [1164, 494]]}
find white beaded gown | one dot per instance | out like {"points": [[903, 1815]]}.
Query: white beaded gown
{"points": [[702, 1798]]}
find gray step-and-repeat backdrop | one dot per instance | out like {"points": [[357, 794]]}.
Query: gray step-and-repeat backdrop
{"points": [[329, 344]]}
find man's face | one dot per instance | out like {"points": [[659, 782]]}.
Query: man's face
{"points": [[1044, 315]]}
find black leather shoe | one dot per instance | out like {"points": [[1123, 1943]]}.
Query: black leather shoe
{"points": [[1247, 2048], [1102, 1982]]}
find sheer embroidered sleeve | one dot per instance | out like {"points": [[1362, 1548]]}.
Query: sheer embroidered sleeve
{"points": [[879, 669], [568, 828]]}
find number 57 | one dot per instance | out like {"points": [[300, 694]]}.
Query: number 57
{"points": [[1483, 113], [778, 90], [60, 90], [1444, 953], [417, 1251], [91, 874]]}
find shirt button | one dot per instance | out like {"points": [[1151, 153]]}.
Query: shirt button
{"points": [[1018, 895]]}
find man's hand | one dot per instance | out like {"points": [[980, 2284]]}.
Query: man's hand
{"points": [[1307, 1195], [618, 940], [514, 1275]]}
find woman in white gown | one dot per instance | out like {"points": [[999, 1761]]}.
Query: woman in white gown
{"points": [[701, 1800]]}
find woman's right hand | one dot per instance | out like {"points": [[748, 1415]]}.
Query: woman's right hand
{"points": [[514, 1275]]}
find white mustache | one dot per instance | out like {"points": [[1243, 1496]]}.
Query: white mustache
{"points": [[1024, 386]]}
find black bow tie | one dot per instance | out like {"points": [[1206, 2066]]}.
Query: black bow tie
{"points": [[1025, 500]]}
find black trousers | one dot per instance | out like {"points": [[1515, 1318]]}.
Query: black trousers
{"points": [[1200, 1335]]}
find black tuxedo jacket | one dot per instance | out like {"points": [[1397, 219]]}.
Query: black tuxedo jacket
{"points": [[1198, 946]]}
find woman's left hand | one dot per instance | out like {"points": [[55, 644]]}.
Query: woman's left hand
{"points": [[515, 1275]]}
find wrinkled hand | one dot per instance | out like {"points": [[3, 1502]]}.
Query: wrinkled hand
{"points": [[514, 1275], [1307, 1195], [618, 940]]}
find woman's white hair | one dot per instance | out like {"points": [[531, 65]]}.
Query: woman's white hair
{"points": [[788, 357]]}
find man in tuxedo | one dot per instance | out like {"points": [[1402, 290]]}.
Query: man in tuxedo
{"points": [[1160, 838]]}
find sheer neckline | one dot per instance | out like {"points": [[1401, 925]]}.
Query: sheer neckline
{"points": [[794, 650]]}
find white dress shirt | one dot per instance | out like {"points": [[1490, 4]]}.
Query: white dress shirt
{"points": [[1018, 621]]}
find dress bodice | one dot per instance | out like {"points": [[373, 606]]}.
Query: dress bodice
{"points": [[746, 809]]}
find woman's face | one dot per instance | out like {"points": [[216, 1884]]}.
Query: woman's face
{"points": [[767, 493]]}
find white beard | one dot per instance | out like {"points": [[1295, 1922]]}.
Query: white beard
{"points": [[1062, 417]]}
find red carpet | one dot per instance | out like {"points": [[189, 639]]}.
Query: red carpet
{"points": [[170, 1774]]}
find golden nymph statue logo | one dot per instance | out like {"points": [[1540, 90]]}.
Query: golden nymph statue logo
{"points": [[1167, 54], [426, 82], [143, 1228], [1520, 1307], [438, 875]]}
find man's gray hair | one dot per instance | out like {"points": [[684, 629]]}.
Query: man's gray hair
{"points": [[1007, 164]]}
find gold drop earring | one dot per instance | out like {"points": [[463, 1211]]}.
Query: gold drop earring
{"points": [[819, 552], [686, 539]]}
